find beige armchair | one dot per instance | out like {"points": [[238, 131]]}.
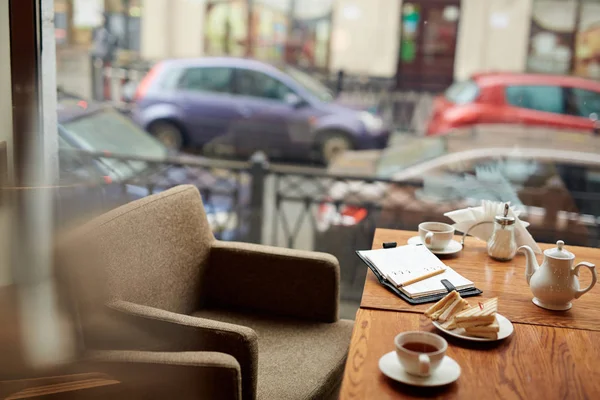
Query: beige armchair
{"points": [[149, 276]]}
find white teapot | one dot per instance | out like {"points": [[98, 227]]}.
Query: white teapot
{"points": [[555, 283]]}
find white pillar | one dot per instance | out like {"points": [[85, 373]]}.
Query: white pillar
{"points": [[172, 29], [188, 28], [493, 36], [155, 29], [365, 37]]}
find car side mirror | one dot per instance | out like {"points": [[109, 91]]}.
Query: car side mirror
{"points": [[294, 100]]}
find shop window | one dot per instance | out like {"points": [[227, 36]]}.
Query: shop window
{"points": [[552, 33], [587, 45], [565, 38]]}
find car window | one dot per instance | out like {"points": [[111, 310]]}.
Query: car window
{"points": [[583, 102], [540, 98], [462, 92], [210, 79], [257, 84]]}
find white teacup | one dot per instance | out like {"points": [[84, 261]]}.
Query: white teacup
{"points": [[420, 353], [436, 235]]}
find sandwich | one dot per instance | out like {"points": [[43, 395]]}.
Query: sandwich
{"points": [[486, 331], [447, 307], [480, 315]]}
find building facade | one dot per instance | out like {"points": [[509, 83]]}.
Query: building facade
{"points": [[423, 44], [426, 44]]}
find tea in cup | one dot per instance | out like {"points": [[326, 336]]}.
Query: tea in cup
{"points": [[420, 353], [436, 235]]}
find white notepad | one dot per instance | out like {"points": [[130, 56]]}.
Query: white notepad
{"points": [[404, 263]]}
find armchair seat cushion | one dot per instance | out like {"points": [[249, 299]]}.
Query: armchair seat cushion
{"points": [[297, 359]]}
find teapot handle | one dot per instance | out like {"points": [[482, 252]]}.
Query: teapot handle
{"points": [[592, 268]]}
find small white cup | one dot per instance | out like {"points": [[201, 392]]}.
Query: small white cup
{"points": [[436, 235], [417, 362]]}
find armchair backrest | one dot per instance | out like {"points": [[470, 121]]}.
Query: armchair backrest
{"points": [[151, 251]]}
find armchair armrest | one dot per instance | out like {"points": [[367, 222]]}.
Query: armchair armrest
{"points": [[161, 375], [129, 326], [282, 281]]}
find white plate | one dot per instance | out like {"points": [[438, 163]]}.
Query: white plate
{"points": [[506, 329], [447, 372], [452, 248]]}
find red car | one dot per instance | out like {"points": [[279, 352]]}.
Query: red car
{"points": [[509, 98]]}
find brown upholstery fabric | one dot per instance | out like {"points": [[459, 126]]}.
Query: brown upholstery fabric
{"points": [[137, 273], [279, 281], [297, 359], [167, 331], [170, 375], [152, 251]]}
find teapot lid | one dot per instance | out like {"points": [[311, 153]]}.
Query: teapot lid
{"points": [[559, 252]]}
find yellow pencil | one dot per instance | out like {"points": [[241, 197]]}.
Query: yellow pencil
{"points": [[421, 278]]}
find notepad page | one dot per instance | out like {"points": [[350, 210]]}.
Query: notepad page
{"points": [[434, 285], [404, 263]]}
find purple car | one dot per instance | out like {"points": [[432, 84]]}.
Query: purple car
{"points": [[240, 106]]}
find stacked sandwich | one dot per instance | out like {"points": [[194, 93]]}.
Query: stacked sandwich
{"points": [[454, 312], [479, 321], [445, 309]]}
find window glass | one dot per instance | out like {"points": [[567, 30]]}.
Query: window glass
{"points": [[462, 92], [309, 83], [217, 79], [540, 98], [257, 84], [112, 132], [584, 102]]}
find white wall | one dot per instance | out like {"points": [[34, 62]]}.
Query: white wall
{"points": [[365, 37], [493, 36], [172, 28]]}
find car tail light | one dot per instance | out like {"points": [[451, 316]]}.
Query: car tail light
{"points": [[144, 85]]}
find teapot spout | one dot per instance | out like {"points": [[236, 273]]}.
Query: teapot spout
{"points": [[532, 264]]}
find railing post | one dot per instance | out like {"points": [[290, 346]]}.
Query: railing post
{"points": [[258, 172], [97, 78]]}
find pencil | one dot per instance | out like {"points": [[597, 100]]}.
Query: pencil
{"points": [[421, 278]]}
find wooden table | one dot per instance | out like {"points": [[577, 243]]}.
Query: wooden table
{"points": [[505, 280], [540, 360]]}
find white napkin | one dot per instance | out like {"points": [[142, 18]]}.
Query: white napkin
{"points": [[464, 219]]}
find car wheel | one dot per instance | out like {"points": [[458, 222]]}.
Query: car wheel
{"points": [[168, 134], [334, 144]]}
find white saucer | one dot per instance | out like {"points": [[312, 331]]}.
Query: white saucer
{"points": [[452, 248], [506, 329], [447, 372]]}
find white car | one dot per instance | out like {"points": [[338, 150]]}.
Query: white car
{"points": [[553, 176]]}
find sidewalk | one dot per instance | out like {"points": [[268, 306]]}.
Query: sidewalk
{"points": [[73, 71]]}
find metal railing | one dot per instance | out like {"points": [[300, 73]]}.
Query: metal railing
{"points": [[306, 208]]}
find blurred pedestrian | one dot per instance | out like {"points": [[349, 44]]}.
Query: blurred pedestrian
{"points": [[104, 42], [104, 47]]}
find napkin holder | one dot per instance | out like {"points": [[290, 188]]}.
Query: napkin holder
{"points": [[465, 234]]}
